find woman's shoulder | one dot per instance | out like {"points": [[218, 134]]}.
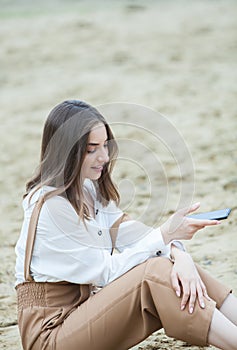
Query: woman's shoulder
{"points": [[56, 210], [35, 194]]}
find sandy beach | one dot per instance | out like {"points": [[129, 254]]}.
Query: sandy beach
{"points": [[176, 58]]}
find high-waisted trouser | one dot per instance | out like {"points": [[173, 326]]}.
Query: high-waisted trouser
{"points": [[64, 316]]}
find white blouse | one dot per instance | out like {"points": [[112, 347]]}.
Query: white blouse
{"points": [[67, 250]]}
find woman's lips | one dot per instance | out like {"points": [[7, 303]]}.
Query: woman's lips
{"points": [[97, 168]]}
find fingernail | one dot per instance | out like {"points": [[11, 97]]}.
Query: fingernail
{"points": [[178, 293], [182, 307], [202, 305], [191, 310], [196, 204]]}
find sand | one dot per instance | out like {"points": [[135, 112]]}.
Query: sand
{"points": [[177, 58]]}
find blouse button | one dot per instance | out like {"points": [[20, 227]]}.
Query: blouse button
{"points": [[158, 253], [99, 232]]}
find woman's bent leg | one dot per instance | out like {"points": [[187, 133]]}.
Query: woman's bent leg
{"points": [[112, 318], [129, 309], [229, 308], [223, 333]]}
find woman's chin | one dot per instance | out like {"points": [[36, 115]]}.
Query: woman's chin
{"points": [[94, 176]]}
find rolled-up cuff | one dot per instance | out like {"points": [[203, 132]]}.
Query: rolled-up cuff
{"points": [[178, 244]]}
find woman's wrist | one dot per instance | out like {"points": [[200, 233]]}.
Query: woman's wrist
{"points": [[175, 252]]}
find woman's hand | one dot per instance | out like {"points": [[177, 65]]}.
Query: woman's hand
{"points": [[186, 281], [179, 226]]}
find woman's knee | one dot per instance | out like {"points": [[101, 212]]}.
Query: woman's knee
{"points": [[159, 269]]}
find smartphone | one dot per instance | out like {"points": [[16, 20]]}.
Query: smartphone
{"points": [[212, 215]]}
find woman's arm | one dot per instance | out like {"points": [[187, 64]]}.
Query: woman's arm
{"points": [[66, 249], [177, 227]]}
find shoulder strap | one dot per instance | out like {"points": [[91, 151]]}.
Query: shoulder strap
{"points": [[31, 238], [114, 229], [32, 232]]}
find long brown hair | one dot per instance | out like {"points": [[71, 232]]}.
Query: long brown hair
{"points": [[63, 149]]}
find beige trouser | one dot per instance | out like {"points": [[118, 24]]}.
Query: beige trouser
{"points": [[63, 316]]}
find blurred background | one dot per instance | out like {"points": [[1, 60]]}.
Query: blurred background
{"points": [[176, 57]]}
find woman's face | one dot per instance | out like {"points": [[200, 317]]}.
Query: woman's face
{"points": [[96, 153]]}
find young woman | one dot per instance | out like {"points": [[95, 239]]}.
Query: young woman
{"points": [[73, 293]]}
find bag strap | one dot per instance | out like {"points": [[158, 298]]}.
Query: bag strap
{"points": [[114, 229], [31, 239]]}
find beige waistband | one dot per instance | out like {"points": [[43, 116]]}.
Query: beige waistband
{"points": [[51, 294], [30, 294]]}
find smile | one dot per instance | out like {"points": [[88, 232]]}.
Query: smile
{"points": [[97, 168]]}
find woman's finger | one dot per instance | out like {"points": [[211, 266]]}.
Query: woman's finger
{"points": [[204, 290], [175, 283], [186, 294], [190, 209], [193, 295], [203, 223], [200, 293]]}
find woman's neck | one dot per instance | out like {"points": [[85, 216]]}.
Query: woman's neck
{"points": [[88, 200]]}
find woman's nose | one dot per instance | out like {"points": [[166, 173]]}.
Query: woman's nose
{"points": [[103, 155]]}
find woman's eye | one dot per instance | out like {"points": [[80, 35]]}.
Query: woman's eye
{"points": [[91, 150]]}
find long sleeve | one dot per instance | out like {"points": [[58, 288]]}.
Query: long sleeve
{"points": [[66, 249], [132, 231], [81, 254]]}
